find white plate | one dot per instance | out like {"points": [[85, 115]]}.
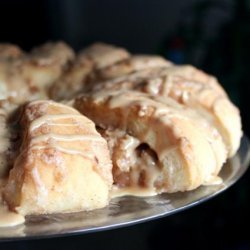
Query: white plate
{"points": [[129, 210]]}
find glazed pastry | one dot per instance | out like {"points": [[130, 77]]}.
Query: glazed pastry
{"points": [[155, 143], [189, 87], [100, 62], [27, 77], [170, 73], [132, 64], [9, 51], [63, 164], [103, 55], [46, 63], [89, 60], [12, 87], [72, 80]]}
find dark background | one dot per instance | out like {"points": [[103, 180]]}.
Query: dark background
{"points": [[213, 35]]}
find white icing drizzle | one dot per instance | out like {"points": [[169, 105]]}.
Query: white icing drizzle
{"points": [[66, 150], [52, 139], [50, 102], [49, 119], [69, 138]]}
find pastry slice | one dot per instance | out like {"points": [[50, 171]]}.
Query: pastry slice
{"points": [[9, 51], [27, 77], [45, 64], [129, 65], [94, 57], [155, 143], [192, 88], [72, 80], [13, 88], [63, 164]]}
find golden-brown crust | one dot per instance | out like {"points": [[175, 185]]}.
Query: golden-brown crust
{"points": [[63, 163]]}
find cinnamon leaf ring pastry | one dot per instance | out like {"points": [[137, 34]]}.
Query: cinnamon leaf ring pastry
{"points": [[155, 143], [63, 164]]}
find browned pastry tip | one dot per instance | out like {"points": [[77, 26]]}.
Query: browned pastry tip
{"points": [[93, 58], [52, 53], [168, 73], [103, 55]]}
